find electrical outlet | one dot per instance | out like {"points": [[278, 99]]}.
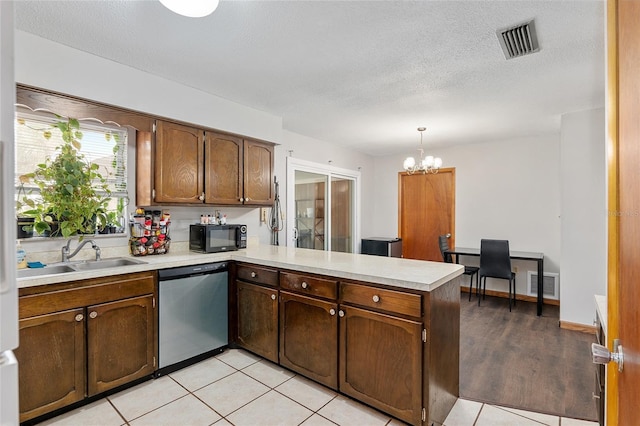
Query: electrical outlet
{"points": [[263, 215], [515, 269]]}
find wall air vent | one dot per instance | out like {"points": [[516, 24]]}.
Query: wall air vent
{"points": [[519, 40], [550, 289]]}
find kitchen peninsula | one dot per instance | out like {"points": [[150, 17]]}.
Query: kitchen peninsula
{"points": [[385, 331]]}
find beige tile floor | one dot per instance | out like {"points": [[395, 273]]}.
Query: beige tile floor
{"points": [[238, 388]]}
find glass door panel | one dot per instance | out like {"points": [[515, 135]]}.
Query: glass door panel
{"points": [[342, 229], [310, 212]]}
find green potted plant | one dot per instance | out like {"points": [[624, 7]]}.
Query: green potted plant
{"points": [[23, 203], [71, 187]]}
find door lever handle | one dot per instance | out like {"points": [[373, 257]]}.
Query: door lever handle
{"points": [[601, 354]]}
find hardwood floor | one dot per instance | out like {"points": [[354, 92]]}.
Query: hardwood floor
{"points": [[520, 360]]}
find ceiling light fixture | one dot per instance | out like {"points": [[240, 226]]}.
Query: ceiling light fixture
{"points": [[191, 8], [429, 164]]}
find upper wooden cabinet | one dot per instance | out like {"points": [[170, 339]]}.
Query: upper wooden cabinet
{"points": [[258, 173], [179, 164], [195, 166]]}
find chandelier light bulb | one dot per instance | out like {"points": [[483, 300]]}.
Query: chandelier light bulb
{"points": [[437, 163], [191, 8], [409, 163]]}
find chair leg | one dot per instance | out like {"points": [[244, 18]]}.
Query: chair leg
{"points": [[470, 286], [514, 291], [480, 288], [509, 295]]}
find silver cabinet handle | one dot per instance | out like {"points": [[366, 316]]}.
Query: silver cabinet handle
{"points": [[304, 284], [201, 197], [93, 314], [332, 312], [253, 275], [376, 298], [246, 199], [79, 317], [241, 199], [340, 313], [594, 396], [273, 297]]}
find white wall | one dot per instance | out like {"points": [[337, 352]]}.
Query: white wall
{"points": [[504, 190], [584, 220], [327, 153], [49, 65]]}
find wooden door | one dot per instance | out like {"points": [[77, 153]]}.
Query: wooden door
{"points": [[623, 134], [120, 343], [258, 173], [258, 319], [178, 164], [51, 358], [426, 210], [381, 362], [223, 169], [309, 337]]}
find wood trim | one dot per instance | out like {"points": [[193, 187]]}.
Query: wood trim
{"points": [[523, 297], [613, 226], [583, 328], [73, 106]]}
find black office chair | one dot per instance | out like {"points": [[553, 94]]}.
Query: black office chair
{"points": [[495, 262], [468, 270]]}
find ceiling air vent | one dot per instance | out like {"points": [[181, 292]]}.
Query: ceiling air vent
{"points": [[519, 40]]}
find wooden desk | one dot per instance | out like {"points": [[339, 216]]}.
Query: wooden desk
{"points": [[518, 255]]}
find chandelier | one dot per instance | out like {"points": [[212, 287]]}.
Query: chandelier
{"points": [[191, 8], [429, 164]]}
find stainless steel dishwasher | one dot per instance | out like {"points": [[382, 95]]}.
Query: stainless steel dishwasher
{"points": [[193, 314]]}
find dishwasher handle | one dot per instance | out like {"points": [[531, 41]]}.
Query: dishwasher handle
{"points": [[192, 270]]}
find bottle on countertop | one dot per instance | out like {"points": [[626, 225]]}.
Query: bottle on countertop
{"points": [[21, 255]]}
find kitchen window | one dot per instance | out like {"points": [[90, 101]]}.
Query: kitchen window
{"points": [[103, 144]]}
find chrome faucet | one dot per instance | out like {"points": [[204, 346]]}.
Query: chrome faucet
{"points": [[65, 249]]}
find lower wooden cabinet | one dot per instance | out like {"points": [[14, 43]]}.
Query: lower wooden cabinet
{"points": [[394, 349], [258, 319], [119, 342], [52, 360], [82, 338], [381, 362], [309, 337]]}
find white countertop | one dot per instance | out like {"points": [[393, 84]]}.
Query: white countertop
{"points": [[402, 273], [601, 309]]}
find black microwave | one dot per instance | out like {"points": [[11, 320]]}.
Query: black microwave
{"points": [[217, 238]]}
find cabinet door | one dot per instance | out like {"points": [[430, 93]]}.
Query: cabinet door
{"points": [[309, 337], [258, 173], [51, 360], [178, 164], [258, 320], [223, 169], [380, 362], [120, 342]]}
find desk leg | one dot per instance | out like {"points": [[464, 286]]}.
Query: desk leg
{"points": [[540, 285]]}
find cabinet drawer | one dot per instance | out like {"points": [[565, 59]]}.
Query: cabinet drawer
{"points": [[385, 300], [309, 285], [258, 274]]}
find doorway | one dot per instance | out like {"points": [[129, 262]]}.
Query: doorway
{"points": [[426, 204], [323, 202]]}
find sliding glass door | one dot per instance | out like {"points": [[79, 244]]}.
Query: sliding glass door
{"points": [[322, 204]]}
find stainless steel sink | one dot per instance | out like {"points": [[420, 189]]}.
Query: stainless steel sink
{"points": [[85, 265], [115, 262], [47, 270]]}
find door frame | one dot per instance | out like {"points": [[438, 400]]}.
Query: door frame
{"points": [[294, 164]]}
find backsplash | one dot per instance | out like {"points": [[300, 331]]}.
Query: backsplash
{"points": [[48, 250]]}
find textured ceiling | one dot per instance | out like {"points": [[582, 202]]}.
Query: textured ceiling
{"points": [[363, 74]]}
